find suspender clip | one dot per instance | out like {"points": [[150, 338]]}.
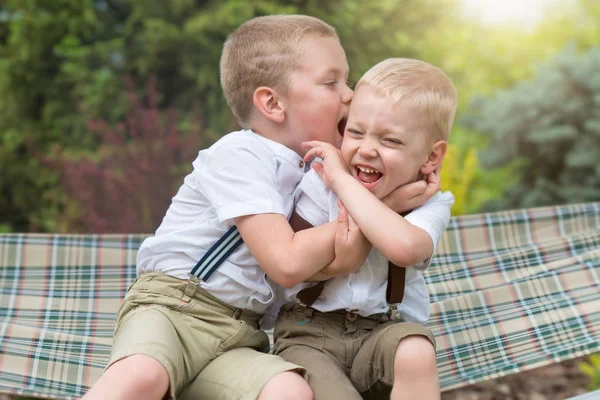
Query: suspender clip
{"points": [[190, 288]]}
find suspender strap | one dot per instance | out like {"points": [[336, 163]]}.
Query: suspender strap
{"points": [[394, 292], [217, 254], [396, 283], [310, 294]]}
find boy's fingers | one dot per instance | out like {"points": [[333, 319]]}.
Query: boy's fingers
{"points": [[434, 177], [310, 144], [312, 153], [352, 225], [313, 143], [319, 151], [411, 190], [318, 167], [342, 224], [433, 182]]}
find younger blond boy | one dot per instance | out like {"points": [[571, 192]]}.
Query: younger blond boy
{"points": [[397, 131]]}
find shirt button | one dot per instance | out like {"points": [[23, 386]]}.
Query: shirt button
{"points": [[301, 164]]}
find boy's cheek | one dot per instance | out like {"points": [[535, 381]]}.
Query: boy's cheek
{"points": [[339, 139]]}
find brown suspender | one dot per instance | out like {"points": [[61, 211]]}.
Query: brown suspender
{"points": [[394, 292], [396, 283]]}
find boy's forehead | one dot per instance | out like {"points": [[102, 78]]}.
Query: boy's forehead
{"points": [[324, 54], [374, 110]]}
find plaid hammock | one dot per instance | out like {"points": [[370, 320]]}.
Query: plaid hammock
{"points": [[510, 291]]}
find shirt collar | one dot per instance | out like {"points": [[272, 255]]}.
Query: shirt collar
{"points": [[281, 151]]}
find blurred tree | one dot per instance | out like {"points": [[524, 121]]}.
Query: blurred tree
{"points": [[42, 96], [552, 125], [126, 186], [483, 59]]}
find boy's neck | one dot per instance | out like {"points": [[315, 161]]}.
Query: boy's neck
{"points": [[277, 133]]}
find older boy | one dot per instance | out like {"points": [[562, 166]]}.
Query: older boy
{"points": [[397, 130], [284, 78]]}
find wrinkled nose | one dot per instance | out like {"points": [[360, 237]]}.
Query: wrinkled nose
{"points": [[367, 150]]}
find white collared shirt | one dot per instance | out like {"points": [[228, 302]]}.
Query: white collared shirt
{"points": [[364, 292], [241, 174]]}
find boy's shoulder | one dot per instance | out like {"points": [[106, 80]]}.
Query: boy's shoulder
{"points": [[236, 139], [446, 198], [248, 141]]}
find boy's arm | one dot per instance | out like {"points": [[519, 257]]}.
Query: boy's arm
{"points": [[398, 240], [287, 257], [351, 247]]}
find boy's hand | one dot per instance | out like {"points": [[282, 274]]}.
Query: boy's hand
{"points": [[332, 166], [351, 246], [412, 195]]}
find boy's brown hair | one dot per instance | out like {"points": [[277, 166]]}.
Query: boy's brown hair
{"points": [[263, 52], [427, 86]]}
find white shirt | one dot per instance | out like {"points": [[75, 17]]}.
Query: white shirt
{"points": [[364, 291], [241, 174]]}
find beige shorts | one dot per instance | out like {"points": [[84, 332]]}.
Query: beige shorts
{"points": [[346, 356], [185, 328]]}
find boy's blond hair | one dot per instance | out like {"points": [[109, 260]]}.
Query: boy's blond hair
{"points": [[428, 87], [263, 52]]}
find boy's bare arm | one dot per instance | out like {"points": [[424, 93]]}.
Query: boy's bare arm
{"points": [[351, 247], [398, 240], [287, 257]]}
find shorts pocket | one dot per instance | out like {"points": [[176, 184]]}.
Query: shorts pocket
{"points": [[235, 340]]}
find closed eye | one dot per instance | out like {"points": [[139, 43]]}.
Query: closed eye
{"points": [[393, 141], [354, 132]]}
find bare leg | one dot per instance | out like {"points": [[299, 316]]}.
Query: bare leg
{"points": [[415, 370], [135, 377], [286, 386], [326, 378]]}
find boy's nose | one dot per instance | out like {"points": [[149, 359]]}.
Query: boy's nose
{"points": [[347, 95], [367, 150]]}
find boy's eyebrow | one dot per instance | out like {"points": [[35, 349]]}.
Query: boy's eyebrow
{"points": [[337, 71]]}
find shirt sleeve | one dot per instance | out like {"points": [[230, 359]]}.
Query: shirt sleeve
{"points": [[239, 178], [312, 199], [433, 217]]}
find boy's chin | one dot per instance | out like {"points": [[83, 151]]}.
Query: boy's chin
{"points": [[374, 189]]}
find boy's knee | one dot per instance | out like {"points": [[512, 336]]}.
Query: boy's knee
{"points": [[286, 385], [414, 355], [137, 376], [143, 373]]}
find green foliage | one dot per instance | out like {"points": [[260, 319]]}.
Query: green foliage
{"points": [[62, 64], [471, 185], [552, 125], [592, 369]]}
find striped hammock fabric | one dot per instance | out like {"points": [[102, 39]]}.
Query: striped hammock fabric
{"points": [[510, 291]]}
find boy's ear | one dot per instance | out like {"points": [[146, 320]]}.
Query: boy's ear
{"points": [[435, 157], [267, 102]]}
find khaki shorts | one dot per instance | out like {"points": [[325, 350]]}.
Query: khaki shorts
{"points": [[346, 356], [185, 328]]}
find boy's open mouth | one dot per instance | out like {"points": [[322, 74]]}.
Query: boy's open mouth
{"points": [[367, 176], [342, 126]]}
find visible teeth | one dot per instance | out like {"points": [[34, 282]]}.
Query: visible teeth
{"points": [[367, 170]]}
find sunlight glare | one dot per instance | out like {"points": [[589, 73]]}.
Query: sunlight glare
{"points": [[526, 13]]}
